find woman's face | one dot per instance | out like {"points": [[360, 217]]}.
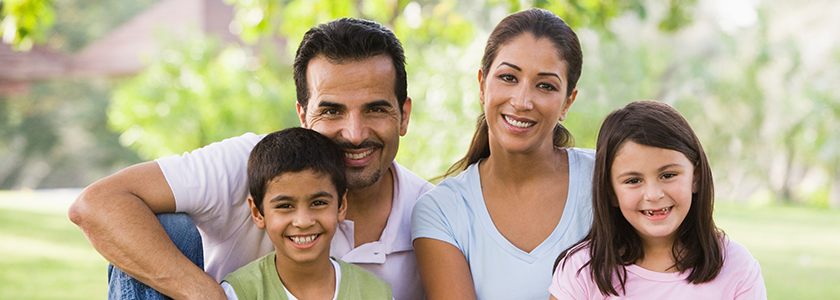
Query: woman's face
{"points": [[524, 94]]}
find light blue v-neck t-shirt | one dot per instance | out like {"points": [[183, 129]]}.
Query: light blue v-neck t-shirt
{"points": [[455, 212]]}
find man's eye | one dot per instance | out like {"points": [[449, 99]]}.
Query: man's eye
{"points": [[330, 111], [377, 109]]}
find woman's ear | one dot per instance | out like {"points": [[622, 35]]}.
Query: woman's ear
{"points": [[256, 214], [569, 101], [480, 87]]}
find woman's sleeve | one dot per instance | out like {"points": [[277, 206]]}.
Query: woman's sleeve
{"points": [[430, 218]]}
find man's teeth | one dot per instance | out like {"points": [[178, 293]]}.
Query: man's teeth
{"points": [[518, 123], [650, 213], [358, 155], [302, 240]]}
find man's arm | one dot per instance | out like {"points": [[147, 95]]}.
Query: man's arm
{"points": [[117, 215]]}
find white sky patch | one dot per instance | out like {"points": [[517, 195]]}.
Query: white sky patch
{"points": [[412, 15], [736, 14]]}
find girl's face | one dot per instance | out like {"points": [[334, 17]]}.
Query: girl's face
{"points": [[654, 188], [524, 94]]}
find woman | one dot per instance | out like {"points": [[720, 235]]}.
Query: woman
{"points": [[524, 196]]}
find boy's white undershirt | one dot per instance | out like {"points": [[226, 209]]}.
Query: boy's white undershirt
{"points": [[231, 294]]}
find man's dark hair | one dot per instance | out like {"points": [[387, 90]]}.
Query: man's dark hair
{"points": [[294, 150], [349, 39]]}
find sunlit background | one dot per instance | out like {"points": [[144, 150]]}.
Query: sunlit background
{"points": [[88, 87]]}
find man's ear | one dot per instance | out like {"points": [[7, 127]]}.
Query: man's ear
{"points": [[406, 113], [256, 214], [301, 111], [342, 209]]}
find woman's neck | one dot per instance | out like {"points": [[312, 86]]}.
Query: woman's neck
{"points": [[516, 168]]}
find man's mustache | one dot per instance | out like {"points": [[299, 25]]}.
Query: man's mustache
{"points": [[365, 144]]}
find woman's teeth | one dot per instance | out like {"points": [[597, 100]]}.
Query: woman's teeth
{"points": [[519, 124]]}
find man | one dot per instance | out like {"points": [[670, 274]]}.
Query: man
{"points": [[351, 87]]}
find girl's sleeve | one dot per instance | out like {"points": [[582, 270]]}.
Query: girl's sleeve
{"points": [[567, 282], [752, 287]]}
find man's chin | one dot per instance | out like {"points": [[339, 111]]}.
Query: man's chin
{"points": [[359, 179]]}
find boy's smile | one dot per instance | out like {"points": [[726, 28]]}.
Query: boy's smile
{"points": [[300, 215]]}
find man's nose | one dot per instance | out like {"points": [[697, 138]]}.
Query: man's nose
{"points": [[355, 129]]}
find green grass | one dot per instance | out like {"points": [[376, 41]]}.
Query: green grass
{"points": [[797, 247], [45, 256]]}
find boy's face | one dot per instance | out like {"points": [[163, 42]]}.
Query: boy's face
{"points": [[301, 213]]}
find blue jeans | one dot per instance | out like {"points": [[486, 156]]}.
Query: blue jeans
{"points": [[184, 234]]}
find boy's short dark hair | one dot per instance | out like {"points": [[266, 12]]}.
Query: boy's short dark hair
{"points": [[294, 150]]}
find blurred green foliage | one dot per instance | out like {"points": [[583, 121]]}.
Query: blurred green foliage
{"points": [[764, 107], [25, 22]]}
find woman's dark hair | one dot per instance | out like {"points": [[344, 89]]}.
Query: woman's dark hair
{"points": [[612, 241], [294, 150], [349, 39], [541, 24]]}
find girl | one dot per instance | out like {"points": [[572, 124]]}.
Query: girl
{"points": [[653, 236], [494, 231]]}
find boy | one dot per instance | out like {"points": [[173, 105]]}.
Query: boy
{"points": [[297, 195]]}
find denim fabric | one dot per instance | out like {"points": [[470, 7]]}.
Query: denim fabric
{"points": [[184, 234]]}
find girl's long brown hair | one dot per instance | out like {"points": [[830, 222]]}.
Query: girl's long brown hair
{"points": [[542, 24], [612, 241]]}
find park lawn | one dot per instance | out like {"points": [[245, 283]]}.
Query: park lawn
{"points": [[797, 247], [45, 256]]}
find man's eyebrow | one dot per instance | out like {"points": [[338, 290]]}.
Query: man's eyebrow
{"points": [[378, 103], [331, 104]]}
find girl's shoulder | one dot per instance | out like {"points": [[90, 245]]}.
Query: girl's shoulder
{"points": [[576, 257]]}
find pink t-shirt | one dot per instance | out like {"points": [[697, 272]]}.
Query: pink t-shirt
{"points": [[740, 278]]}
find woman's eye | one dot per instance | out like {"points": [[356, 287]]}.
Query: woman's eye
{"points": [[547, 87], [508, 78]]}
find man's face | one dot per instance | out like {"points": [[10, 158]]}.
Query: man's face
{"points": [[354, 104]]}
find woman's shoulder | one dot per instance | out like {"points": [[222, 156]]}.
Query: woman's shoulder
{"points": [[457, 186]]}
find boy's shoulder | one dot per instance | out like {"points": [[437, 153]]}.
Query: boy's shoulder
{"points": [[358, 283], [257, 279]]}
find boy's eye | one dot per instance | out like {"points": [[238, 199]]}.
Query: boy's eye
{"points": [[319, 203], [284, 206]]}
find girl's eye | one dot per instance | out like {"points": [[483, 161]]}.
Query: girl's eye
{"points": [[507, 78], [668, 175], [632, 181]]}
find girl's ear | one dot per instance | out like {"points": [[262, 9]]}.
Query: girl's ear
{"points": [[256, 214], [695, 183]]}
